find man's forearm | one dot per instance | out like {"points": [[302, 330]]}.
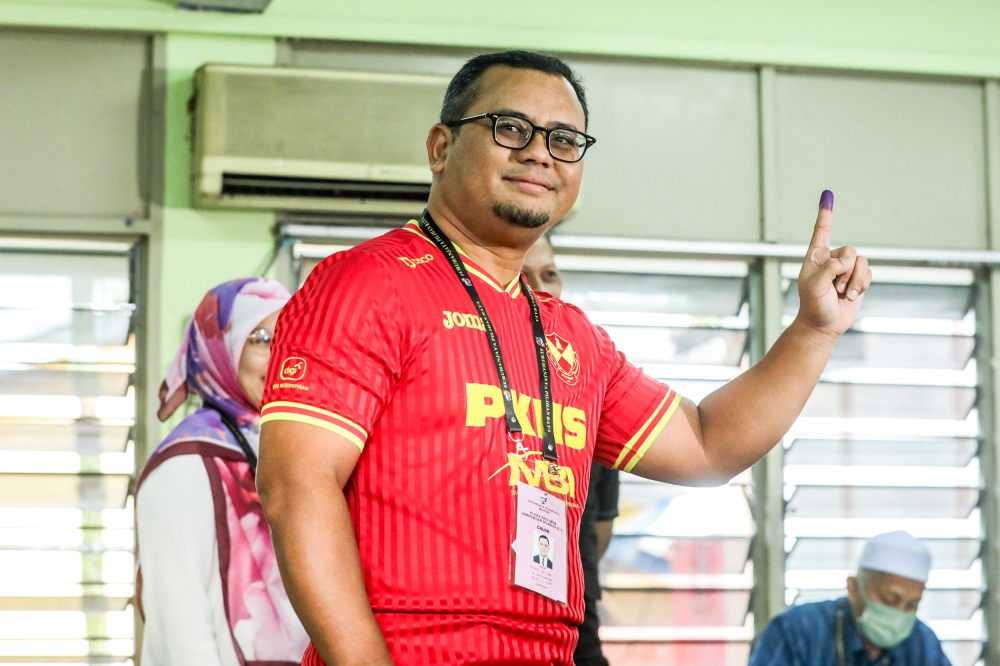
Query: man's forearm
{"points": [[320, 567], [743, 420]]}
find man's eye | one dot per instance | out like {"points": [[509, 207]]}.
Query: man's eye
{"points": [[566, 138], [511, 128]]}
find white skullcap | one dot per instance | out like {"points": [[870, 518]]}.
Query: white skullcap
{"points": [[897, 553]]}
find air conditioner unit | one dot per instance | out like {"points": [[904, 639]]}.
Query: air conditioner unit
{"points": [[280, 138]]}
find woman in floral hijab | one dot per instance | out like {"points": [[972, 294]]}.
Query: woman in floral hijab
{"points": [[208, 583]]}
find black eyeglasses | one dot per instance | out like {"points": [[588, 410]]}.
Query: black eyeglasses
{"points": [[565, 145]]}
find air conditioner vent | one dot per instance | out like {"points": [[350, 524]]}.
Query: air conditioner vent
{"points": [[312, 139], [275, 186]]}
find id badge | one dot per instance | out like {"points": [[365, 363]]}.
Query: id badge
{"points": [[540, 543]]}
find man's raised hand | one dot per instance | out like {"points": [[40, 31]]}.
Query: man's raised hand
{"points": [[832, 283]]}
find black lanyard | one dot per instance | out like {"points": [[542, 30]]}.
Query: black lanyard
{"points": [[514, 430], [240, 438]]}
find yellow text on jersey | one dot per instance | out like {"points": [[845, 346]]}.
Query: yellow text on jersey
{"points": [[485, 401]]}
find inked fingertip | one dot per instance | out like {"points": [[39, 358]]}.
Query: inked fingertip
{"points": [[826, 200]]}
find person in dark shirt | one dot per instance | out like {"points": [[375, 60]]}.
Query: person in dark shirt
{"points": [[595, 535], [602, 498], [874, 625]]}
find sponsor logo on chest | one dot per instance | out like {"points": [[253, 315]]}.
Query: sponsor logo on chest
{"points": [[461, 320]]}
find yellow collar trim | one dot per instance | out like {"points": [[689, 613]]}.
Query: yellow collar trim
{"points": [[513, 289]]}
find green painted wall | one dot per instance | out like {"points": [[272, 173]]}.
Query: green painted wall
{"points": [[201, 248], [932, 36]]}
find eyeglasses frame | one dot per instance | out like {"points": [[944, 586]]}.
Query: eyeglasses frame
{"points": [[590, 140]]}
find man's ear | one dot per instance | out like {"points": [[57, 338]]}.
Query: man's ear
{"points": [[853, 595], [439, 141]]}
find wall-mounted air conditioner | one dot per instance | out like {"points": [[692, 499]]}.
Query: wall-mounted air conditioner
{"points": [[281, 138]]}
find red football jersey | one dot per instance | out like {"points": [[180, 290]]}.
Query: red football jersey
{"points": [[382, 345]]}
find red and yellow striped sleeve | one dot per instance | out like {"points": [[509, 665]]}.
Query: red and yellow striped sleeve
{"points": [[337, 348], [284, 410], [635, 448]]}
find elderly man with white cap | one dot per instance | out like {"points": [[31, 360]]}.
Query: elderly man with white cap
{"points": [[875, 624]]}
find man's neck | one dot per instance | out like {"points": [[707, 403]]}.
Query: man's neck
{"points": [[874, 651], [501, 262]]}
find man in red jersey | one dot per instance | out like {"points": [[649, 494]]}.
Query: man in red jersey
{"points": [[419, 397]]}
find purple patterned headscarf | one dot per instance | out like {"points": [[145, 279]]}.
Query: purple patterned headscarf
{"points": [[208, 360], [263, 624]]}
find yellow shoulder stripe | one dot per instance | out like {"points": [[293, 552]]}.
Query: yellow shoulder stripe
{"points": [[318, 410], [654, 434], [326, 425], [628, 446]]}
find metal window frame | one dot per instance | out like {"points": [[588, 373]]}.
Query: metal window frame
{"points": [[54, 234]]}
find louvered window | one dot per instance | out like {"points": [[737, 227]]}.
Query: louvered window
{"points": [[66, 452], [888, 441], [676, 578]]}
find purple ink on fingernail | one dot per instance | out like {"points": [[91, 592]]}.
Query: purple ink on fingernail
{"points": [[826, 200]]}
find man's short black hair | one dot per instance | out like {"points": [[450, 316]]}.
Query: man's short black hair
{"points": [[542, 536], [464, 87]]}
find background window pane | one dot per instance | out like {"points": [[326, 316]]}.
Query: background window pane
{"points": [[889, 441]]}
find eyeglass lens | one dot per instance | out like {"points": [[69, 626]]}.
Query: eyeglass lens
{"points": [[563, 144], [261, 336]]}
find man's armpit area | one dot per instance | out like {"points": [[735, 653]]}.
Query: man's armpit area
{"points": [[300, 413], [636, 447]]}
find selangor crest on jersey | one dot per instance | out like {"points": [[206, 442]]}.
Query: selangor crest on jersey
{"points": [[563, 359]]}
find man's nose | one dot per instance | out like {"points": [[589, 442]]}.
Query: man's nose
{"points": [[537, 150]]}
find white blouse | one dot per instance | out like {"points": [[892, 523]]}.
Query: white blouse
{"points": [[182, 600]]}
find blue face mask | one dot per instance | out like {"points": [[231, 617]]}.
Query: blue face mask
{"points": [[882, 625]]}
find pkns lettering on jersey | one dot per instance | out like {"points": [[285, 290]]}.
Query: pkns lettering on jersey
{"points": [[485, 402]]}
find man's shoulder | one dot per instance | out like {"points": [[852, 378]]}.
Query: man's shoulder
{"points": [[569, 319], [393, 252], [808, 614], [925, 636], [393, 247], [800, 635], [547, 301]]}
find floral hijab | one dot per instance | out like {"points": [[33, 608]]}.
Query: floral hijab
{"points": [[263, 624]]}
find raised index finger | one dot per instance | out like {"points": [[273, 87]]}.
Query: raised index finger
{"points": [[824, 222]]}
